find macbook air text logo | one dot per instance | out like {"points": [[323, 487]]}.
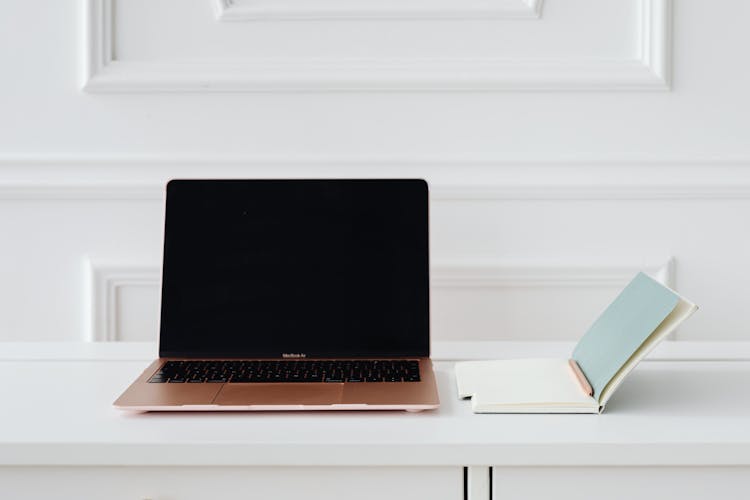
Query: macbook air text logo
{"points": [[293, 355]]}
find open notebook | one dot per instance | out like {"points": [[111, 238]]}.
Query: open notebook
{"points": [[639, 318]]}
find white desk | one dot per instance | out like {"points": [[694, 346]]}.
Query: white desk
{"points": [[674, 425]]}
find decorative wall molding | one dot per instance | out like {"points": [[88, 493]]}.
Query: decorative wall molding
{"points": [[493, 275], [650, 70], [91, 191], [105, 279], [656, 39], [122, 178], [251, 10], [533, 281], [113, 191]]}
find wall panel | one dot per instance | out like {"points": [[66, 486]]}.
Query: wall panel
{"points": [[134, 47], [511, 258], [567, 143]]}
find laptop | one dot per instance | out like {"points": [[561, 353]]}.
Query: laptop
{"points": [[292, 295]]}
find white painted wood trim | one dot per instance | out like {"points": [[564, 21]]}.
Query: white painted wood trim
{"points": [[96, 37], [78, 351], [105, 279], [648, 71], [687, 350], [712, 190], [115, 191], [442, 351], [473, 275], [556, 454], [656, 39], [108, 276], [514, 275], [478, 483], [455, 180], [253, 10]]}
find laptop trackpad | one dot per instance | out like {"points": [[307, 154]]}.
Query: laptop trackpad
{"points": [[280, 394]]}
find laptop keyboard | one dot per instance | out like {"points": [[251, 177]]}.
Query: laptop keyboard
{"points": [[238, 371]]}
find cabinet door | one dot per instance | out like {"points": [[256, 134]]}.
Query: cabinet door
{"points": [[203, 483], [619, 483]]}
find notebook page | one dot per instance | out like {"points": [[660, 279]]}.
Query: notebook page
{"points": [[536, 381], [680, 313], [622, 328]]}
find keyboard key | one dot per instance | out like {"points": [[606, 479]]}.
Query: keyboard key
{"points": [[310, 371]]}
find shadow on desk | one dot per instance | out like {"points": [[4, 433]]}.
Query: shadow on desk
{"points": [[669, 389]]}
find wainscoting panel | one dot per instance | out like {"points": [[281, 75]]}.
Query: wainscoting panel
{"points": [[567, 144], [253, 10], [469, 302], [498, 50], [511, 259], [541, 302], [123, 300]]}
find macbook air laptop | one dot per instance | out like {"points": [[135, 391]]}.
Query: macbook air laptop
{"points": [[292, 295]]}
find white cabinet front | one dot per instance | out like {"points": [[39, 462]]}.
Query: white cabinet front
{"points": [[202, 483]]}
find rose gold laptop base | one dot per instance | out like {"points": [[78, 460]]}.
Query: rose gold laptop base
{"points": [[280, 396]]}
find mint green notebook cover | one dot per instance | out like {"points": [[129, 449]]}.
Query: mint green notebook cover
{"points": [[622, 328]]}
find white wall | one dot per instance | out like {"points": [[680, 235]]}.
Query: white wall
{"points": [[568, 143]]}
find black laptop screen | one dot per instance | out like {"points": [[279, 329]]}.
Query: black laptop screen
{"points": [[263, 268]]}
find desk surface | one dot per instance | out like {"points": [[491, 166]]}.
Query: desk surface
{"points": [[57, 410]]}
